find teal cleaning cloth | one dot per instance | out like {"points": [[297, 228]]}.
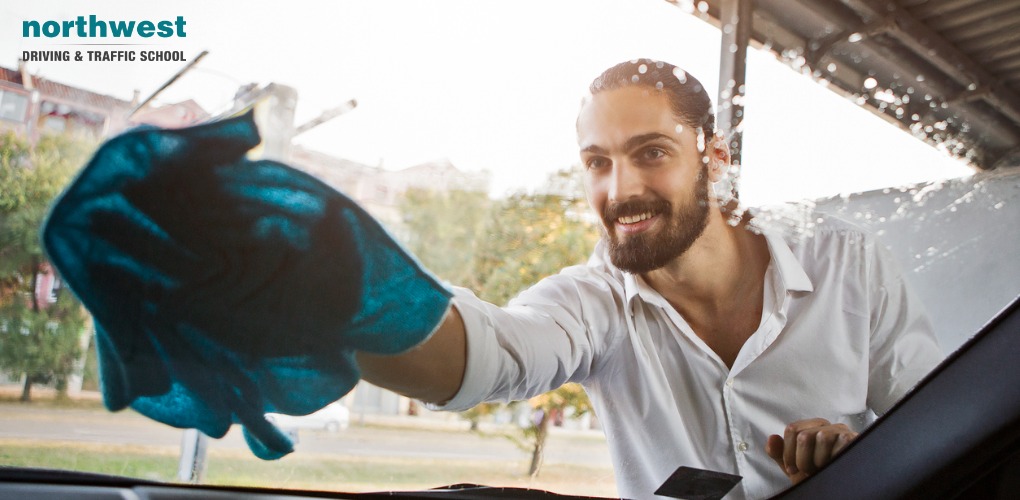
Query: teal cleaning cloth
{"points": [[224, 288]]}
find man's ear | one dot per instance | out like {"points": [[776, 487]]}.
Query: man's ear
{"points": [[718, 158]]}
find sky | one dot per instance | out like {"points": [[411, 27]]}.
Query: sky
{"points": [[487, 85]]}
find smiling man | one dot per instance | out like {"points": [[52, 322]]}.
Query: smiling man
{"points": [[702, 339]]}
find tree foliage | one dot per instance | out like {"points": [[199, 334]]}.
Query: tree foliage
{"points": [[444, 231], [43, 345], [498, 249], [38, 340]]}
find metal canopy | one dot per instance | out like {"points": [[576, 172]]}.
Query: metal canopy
{"points": [[947, 71]]}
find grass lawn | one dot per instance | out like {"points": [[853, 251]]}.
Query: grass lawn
{"points": [[326, 472]]}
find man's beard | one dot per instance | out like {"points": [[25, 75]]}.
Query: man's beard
{"points": [[647, 251]]}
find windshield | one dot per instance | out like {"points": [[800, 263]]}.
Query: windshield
{"points": [[454, 124]]}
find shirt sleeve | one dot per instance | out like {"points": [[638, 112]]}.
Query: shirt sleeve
{"points": [[903, 344], [547, 336]]}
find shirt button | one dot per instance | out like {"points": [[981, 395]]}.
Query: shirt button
{"points": [[729, 382], [741, 447]]}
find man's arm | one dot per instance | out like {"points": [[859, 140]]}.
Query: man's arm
{"points": [[432, 371]]}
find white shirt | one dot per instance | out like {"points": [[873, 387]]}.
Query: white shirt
{"points": [[840, 337]]}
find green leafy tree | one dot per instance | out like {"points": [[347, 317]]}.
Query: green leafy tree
{"points": [[500, 250], [532, 236], [444, 230], [39, 340]]}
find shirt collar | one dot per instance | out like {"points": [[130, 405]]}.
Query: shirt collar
{"points": [[790, 272]]}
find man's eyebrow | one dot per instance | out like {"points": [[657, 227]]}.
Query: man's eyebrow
{"points": [[638, 140], [632, 143]]}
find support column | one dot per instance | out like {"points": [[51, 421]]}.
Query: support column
{"points": [[736, 24]]}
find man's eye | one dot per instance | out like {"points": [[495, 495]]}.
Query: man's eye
{"points": [[653, 153], [595, 163]]}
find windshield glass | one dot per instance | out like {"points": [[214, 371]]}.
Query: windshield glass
{"points": [[455, 125]]}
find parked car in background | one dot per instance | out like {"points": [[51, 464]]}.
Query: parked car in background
{"points": [[333, 418]]}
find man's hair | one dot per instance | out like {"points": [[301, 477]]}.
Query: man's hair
{"points": [[687, 97]]}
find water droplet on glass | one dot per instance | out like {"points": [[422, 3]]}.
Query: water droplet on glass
{"points": [[885, 96], [679, 128], [658, 85], [855, 37], [642, 69], [870, 83], [635, 79], [920, 78], [703, 6], [831, 67], [680, 75]]}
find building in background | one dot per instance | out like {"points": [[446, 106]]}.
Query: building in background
{"points": [[33, 105]]}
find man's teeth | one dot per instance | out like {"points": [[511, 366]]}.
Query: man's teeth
{"points": [[630, 219]]}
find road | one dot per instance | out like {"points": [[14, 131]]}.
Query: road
{"points": [[392, 437]]}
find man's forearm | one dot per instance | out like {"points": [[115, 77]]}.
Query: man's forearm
{"points": [[432, 371]]}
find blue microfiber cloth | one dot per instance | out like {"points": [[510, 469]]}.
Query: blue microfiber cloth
{"points": [[224, 288]]}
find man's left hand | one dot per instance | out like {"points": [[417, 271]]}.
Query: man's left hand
{"points": [[808, 445]]}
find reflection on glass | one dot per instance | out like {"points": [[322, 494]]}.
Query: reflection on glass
{"points": [[494, 218]]}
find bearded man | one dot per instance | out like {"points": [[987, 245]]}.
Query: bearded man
{"points": [[702, 340]]}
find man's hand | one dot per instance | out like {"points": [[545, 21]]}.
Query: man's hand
{"points": [[807, 446]]}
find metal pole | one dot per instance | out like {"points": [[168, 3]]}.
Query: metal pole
{"points": [[325, 117], [191, 467], [169, 82], [736, 24]]}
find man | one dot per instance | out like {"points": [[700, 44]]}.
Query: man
{"points": [[702, 340]]}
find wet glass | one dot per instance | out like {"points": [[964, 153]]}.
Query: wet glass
{"points": [[462, 143]]}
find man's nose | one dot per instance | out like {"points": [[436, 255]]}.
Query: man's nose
{"points": [[624, 182]]}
